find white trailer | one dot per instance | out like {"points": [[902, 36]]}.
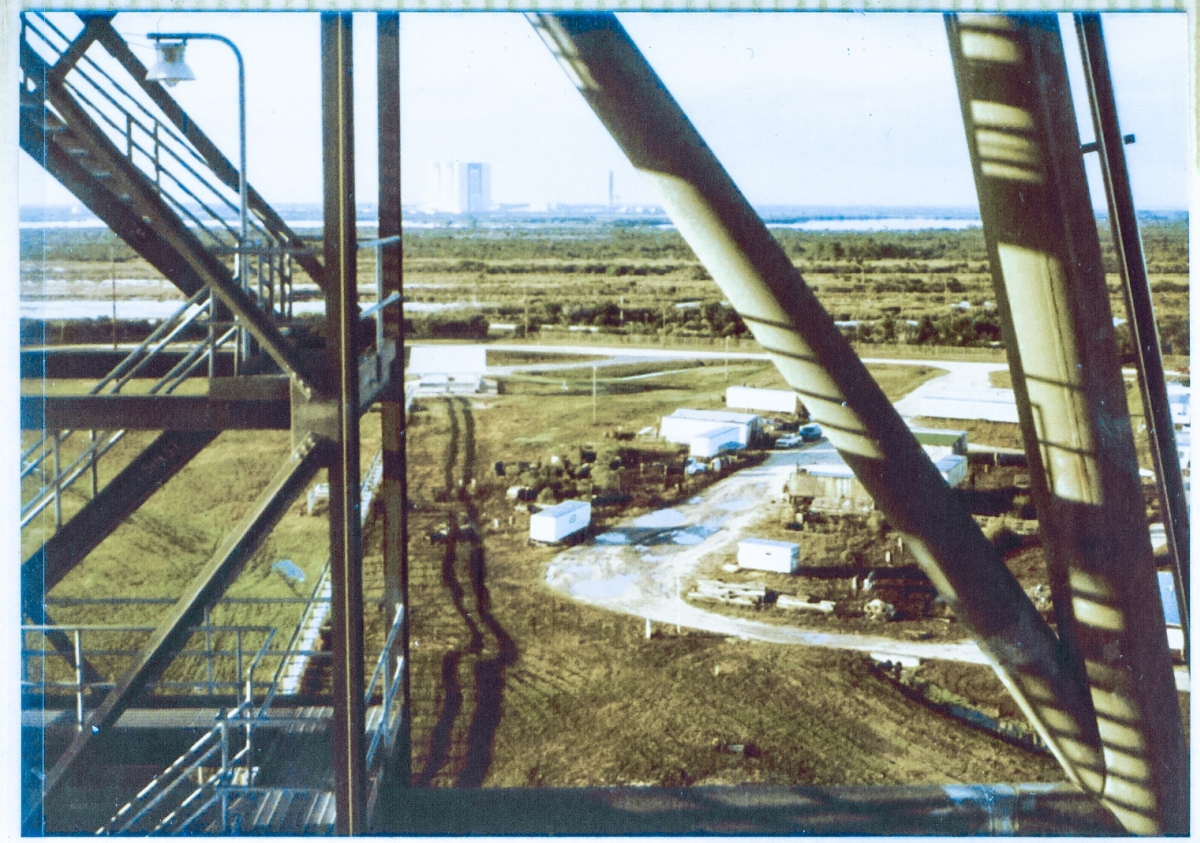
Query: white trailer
{"points": [[707, 445], [555, 523], [767, 555], [767, 400]]}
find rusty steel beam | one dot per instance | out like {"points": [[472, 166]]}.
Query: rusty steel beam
{"points": [[153, 412], [133, 486], [817, 361], [112, 41], [75, 50], [173, 631], [341, 319], [1046, 264], [393, 490], [1139, 306]]}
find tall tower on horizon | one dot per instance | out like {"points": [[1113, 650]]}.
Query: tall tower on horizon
{"points": [[458, 187]]}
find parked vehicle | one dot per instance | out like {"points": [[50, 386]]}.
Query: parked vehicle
{"points": [[792, 441], [811, 433]]}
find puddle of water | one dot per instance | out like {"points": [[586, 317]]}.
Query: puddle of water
{"points": [[695, 500], [737, 505], [603, 589], [612, 538], [693, 535], [662, 519]]}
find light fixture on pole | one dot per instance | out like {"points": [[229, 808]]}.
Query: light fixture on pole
{"points": [[170, 68]]}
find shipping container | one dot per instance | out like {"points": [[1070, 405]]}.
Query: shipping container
{"points": [[715, 441], [556, 523], [767, 555]]}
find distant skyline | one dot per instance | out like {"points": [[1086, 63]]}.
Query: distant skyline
{"points": [[802, 108]]}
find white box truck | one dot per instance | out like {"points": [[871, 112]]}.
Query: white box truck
{"points": [[555, 523], [767, 555], [708, 444]]}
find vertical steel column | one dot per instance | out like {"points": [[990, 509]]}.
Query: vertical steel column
{"points": [[768, 292], [341, 309], [1122, 220], [1045, 257], [394, 489]]}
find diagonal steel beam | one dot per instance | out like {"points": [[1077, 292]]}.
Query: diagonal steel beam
{"points": [[174, 630], [220, 165], [1046, 264], [816, 360], [79, 46], [123, 221], [132, 487], [341, 319]]}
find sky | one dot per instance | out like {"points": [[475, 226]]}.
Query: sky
{"points": [[801, 108]]}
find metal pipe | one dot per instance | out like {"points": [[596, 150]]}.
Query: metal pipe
{"points": [[341, 314], [1046, 264], [786, 318], [1139, 307]]}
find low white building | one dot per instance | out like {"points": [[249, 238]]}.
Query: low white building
{"points": [[556, 523], [683, 425], [987, 403], [714, 441], [764, 400], [1179, 399], [768, 555]]}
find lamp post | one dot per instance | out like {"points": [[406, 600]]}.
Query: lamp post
{"points": [[171, 69]]}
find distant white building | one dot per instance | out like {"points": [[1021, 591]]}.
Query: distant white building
{"points": [[458, 187], [453, 369]]}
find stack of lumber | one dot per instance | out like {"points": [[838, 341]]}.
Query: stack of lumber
{"points": [[737, 594]]}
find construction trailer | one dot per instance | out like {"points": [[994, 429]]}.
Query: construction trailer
{"points": [[683, 424], [559, 522], [768, 555], [763, 400], [716, 440]]}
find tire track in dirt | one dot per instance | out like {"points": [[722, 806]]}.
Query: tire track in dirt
{"points": [[466, 707]]}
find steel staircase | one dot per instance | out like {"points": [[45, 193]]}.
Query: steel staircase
{"points": [[131, 154]]}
